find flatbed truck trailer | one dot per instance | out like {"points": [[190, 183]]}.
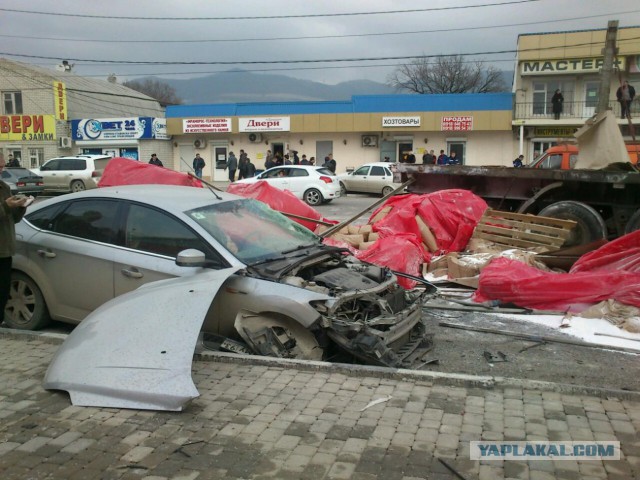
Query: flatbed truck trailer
{"points": [[604, 203]]}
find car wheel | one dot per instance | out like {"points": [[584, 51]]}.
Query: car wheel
{"points": [[387, 190], [590, 227], [26, 308], [77, 186], [343, 190], [312, 197], [633, 224]]}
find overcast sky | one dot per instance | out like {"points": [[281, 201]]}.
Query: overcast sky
{"points": [[193, 31]]}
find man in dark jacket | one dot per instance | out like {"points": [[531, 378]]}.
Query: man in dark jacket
{"points": [[232, 165], [12, 208], [155, 160], [625, 95]]}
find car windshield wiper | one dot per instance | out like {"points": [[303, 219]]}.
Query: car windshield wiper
{"points": [[299, 247]]}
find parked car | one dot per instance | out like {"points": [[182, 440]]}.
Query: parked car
{"points": [[369, 178], [72, 174], [290, 296], [314, 185], [22, 180]]}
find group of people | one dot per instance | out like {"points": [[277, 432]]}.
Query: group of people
{"points": [[241, 164], [625, 95], [430, 158]]}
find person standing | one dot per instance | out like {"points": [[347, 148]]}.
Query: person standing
{"points": [[556, 104], [625, 95], [428, 158], [198, 165], [453, 159], [242, 160], [519, 162], [232, 165], [155, 160], [249, 169], [330, 163], [304, 160], [13, 162], [269, 162], [442, 158], [12, 210]]}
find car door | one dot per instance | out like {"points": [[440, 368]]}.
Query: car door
{"points": [[278, 177], [152, 240], [358, 179], [72, 256], [50, 174], [378, 178], [300, 181]]}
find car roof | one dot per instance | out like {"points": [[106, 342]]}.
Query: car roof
{"points": [[172, 198], [91, 157], [376, 164]]}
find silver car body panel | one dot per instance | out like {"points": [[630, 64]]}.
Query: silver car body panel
{"points": [[136, 350]]}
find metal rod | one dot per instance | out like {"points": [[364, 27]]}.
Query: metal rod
{"points": [[337, 227], [537, 338], [616, 336]]}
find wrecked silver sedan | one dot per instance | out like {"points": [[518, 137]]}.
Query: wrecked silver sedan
{"points": [[290, 296]]}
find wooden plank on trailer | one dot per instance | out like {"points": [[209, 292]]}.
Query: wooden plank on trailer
{"points": [[530, 218], [517, 233], [534, 228], [513, 242]]}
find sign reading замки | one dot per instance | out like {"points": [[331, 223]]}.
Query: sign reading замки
{"points": [[206, 125], [401, 121], [264, 124]]}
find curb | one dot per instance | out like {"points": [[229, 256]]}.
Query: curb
{"points": [[356, 370]]}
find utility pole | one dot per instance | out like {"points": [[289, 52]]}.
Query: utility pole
{"points": [[606, 73]]}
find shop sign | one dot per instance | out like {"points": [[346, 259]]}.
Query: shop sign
{"points": [[562, 66], [27, 128], [129, 128], [264, 124], [159, 129], [401, 121], [554, 131], [456, 124], [206, 125], [60, 98]]}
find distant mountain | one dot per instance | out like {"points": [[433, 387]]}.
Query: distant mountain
{"points": [[239, 87]]}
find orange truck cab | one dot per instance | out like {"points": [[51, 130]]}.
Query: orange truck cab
{"points": [[564, 157]]}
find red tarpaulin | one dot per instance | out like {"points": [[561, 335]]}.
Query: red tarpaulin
{"points": [[281, 200], [124, 171], [610, 272]]}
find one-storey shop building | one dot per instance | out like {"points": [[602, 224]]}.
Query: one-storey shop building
{"points": [[364, 129]]}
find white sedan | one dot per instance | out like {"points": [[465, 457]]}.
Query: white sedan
{"points": [[314, 185], [370, 178]]}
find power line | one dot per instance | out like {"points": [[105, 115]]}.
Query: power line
{"points": [[328, 60], [317, 37], [268, 17]]}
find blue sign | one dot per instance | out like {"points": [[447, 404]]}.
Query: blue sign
{"points": [[114, 129]]}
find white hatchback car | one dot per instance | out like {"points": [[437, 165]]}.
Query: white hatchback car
{"points": [[314, 185], [369, 178], [72, 174]]}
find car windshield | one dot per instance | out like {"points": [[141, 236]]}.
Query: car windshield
{"points": [[251, 230]]}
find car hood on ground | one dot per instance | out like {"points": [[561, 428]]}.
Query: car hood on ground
{"points": [[136, 350]]}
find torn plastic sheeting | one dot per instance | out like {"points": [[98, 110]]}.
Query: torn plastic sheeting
{"points": [[511, 281], [451, 215], [621, 254], [124, 171], [281, 200], [403, 253]]}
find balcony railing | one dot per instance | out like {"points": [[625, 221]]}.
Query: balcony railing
{"points": [[570, 110]]}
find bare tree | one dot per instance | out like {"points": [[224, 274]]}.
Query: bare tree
{"points": [[163, 92], [447, 75]]}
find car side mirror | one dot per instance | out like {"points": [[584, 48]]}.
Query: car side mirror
{"points": [[191, 258]]}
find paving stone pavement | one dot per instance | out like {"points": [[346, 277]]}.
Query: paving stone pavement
{"points": [[264, 422]]}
